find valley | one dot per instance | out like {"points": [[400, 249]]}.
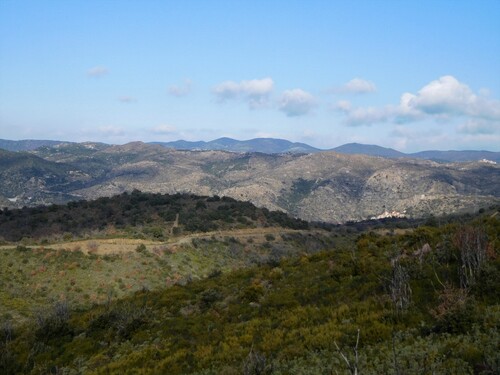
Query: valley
{"points": [[323, 186]]}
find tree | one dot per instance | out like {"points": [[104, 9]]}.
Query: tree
{"points": [[399, 286], [352, 366], [472, 243]]}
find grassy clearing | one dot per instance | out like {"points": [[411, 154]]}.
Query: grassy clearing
{"points": [[95, 271]]}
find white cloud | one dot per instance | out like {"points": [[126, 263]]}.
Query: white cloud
{"points": [[479, 126], [368, 115], [356, 116], [425, 139], [296, 102], [483, 141], [406, 111], [97, 71], [111, 130], [164, 129], [343, 106], [442, 99], [256, 91], [127, 99], [448, 96], [358, 86], [182, 89]]}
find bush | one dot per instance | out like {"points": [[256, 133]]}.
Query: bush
{"points": [[53, 324], [156, 232], [214, 273], [209, 297], [141, 248], [270, 237]]}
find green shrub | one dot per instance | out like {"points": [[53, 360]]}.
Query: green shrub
{"points": [[270, 237], [141, 248]]}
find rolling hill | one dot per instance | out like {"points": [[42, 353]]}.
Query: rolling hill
{"points": [[324, 186], [370, 150], [371, 302], [264, 145], [277, 146]]}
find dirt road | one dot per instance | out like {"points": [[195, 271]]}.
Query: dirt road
{"points": [[120, 245]]}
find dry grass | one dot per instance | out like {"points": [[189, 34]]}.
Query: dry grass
{"points": [[86, 271], [126, 245], [98, 246]]}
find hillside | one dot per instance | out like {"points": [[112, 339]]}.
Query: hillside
{"points": [[132, 241], [408, 302], [276, 146], [450, 156], [371, 150], [26, 144], [457, 156], [324, 186], [264, 145], [153, 216]]}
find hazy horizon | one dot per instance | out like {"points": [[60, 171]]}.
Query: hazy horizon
{"points": [[246, 140]]}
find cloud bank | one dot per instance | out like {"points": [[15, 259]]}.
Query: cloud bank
{"points": [[111, 130], [163, 129], [443, 99], [479, 126]]}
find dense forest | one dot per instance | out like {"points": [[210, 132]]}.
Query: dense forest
{"points": [[422, 300], [143, 214]]}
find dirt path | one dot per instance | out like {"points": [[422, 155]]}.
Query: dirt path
{"points": [[121, 245], [256, 233]]}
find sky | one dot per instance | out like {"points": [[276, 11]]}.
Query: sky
{"points": [[411, 75]]}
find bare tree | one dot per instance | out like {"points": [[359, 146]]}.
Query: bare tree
{"points": [[472, 243], [352, 366], [7, 331], [399, 286], [256, 364], [61, 310], [52, 322]]}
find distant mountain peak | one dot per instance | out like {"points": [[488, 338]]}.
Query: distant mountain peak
{"points": [[372, 150], [264, 145]]}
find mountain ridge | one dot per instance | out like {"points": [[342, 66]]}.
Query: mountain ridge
{"points": [[264, 145], [277, 146], [323, 186]]}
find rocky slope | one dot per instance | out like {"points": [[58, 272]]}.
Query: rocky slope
{"points": [[324, 186]]}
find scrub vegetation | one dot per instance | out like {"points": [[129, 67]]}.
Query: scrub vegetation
{"points": [[389, 297]]}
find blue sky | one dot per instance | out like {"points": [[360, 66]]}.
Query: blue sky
{"points": [[403, 74]]}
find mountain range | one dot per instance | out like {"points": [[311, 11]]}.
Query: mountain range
{"points": [[322, 186], [279, 146]]}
